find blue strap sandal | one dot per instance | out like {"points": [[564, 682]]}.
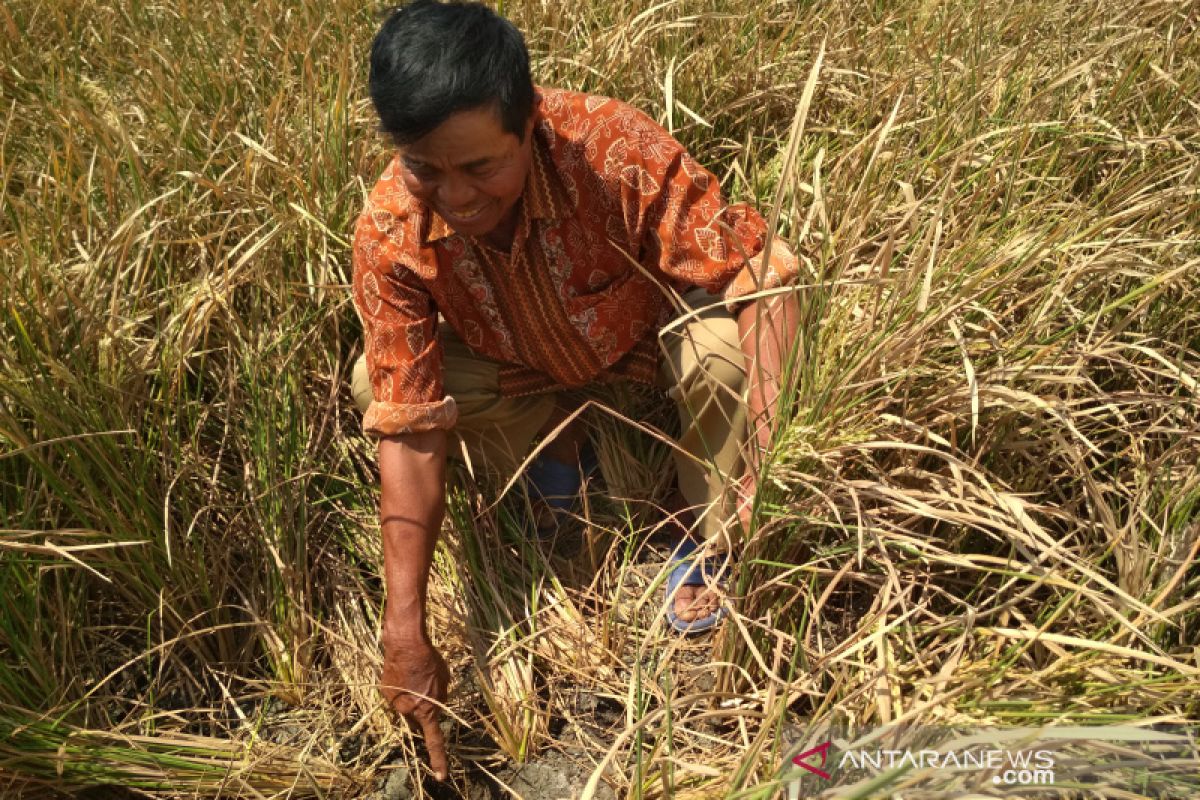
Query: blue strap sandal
{"points": [[692, 571], [557, 484]]}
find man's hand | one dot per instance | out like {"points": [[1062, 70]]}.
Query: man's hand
{"points": [[414, 682], [412, 474]]}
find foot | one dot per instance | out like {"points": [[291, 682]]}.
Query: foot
{"points": [[696, 602], [691, 602], [689, 570]]}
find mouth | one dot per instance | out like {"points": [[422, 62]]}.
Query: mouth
{"points": [[466, 216]]}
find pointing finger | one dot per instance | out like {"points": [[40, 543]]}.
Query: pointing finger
{"points": [[435, 743]]}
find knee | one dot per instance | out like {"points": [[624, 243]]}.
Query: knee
{"points": [[724, 369]]}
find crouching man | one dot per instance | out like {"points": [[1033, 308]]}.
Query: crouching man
{"points": [[551, 231]]}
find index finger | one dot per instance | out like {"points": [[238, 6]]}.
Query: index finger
{"points": [[435, 743]]}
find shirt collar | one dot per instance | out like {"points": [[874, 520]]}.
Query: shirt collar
{"points": [[544, 192], [544, 196], [438, 228]]}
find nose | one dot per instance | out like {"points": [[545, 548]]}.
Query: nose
{"points": [[454, 192]]}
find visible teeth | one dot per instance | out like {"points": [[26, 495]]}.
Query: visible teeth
{"points": [[466, 214]]}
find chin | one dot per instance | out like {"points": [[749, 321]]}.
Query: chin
{"points": [[474, 227]]}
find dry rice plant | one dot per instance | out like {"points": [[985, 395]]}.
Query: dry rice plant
{"points": [[983, 509]]}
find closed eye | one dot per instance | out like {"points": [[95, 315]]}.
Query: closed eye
{"points": [[420, 169]]}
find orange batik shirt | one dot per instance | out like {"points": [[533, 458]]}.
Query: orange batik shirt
{"points": [[614, 212]]}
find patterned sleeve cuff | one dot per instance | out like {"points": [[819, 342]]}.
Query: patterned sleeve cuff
{"points": [[782, 269], [390, 419]]}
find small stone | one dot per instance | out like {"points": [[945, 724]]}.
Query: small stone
{"points": [[542, 780], [553, 776], [285, 733], [396, 787], [349, 748], [585, 702]]}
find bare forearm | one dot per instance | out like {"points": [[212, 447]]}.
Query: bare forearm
{"points": [[766, 329], [412, 472]]}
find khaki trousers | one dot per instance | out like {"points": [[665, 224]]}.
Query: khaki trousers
{"points": [[703, 372]]}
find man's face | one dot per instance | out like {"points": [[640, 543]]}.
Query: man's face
{"points": [[469, 170]]}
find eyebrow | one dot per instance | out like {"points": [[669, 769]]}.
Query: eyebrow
{"points": [[479, 162]]}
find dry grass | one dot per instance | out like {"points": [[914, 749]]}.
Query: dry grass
{"points": [[984, 509]]}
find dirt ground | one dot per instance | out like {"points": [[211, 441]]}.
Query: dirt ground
{"points": [[556, 774], [553, 776]]}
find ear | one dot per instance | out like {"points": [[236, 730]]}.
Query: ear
{"points": [[529, 123]]}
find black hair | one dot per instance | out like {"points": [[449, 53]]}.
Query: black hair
{"points": [[430, 60]]}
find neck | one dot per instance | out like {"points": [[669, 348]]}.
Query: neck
{"points": [[501, 236]]}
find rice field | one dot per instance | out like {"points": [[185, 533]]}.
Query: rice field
{"points": [[984, 511]]}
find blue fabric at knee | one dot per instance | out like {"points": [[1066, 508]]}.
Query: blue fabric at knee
{"points": [[554, 482], [558, 483]]}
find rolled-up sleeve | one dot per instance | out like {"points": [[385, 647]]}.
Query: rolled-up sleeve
{"points": [[688, 231], [403, 352], [781, 269]]}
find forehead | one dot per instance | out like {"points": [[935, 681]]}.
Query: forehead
{"points": [[465, 136]]}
